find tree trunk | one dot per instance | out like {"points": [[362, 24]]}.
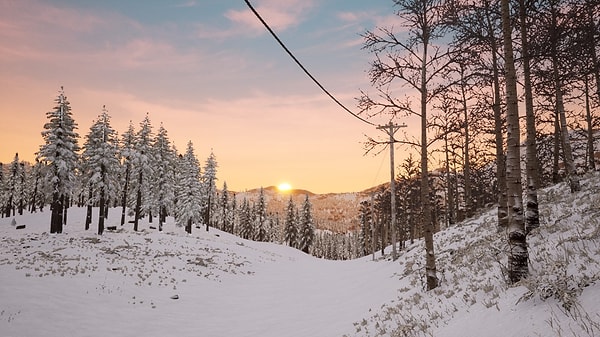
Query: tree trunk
{"points": [[467, 159], [161, 217], [556, 151], [372, 220], [592, 46], [208, 215], [8, 207], [449, 186], [138, 201], [124, 199], [56, 216], [382, 235], [430, 268], [65, 206], [88, 213], [22, 190], [188, 226], [500, 156], [518, 255], [560, 110], [502, 211], [102, 215], [565, 139], [35, 192], [532, 215], [590, 129]]}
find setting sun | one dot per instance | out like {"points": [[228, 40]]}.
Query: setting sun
{"points": [[284, 187]]}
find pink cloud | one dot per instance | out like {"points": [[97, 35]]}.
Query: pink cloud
{"points": [[348, 16], [280, 15], [148, 53], [38, 31], [187, 4]]}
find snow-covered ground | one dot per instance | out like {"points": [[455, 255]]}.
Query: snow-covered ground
{"points": [[147, 283]]}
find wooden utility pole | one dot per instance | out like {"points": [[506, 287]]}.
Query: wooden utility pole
{"points": [[390, 129]]}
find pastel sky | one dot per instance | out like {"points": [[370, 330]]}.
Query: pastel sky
{"points": [[210, 73]]}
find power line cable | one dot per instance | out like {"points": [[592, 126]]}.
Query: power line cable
{"points": [[302, 67]]}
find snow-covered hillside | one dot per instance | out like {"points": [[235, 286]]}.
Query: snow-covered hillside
{"points": [[214, 284]]}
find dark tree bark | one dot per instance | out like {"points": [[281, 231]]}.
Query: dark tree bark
{"points": [[138, 201], [188, 226], [556, 151], [590, 129], [56, 220], [102, 206], [125, 188], [65, 200], [88, 213]]}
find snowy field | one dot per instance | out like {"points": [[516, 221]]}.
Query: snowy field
{"points": [[147, 283], [122, 284]]}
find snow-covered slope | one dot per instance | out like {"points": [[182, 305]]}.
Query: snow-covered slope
{"points": [[122, 284], [125, 283], [560, 298]]}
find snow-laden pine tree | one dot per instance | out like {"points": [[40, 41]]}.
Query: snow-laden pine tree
{"points": [[290, 232], [260, 218], [59, 153], [163, 182], [234, 219], [246, 228], [210, 189], [273, 233], [226, 213], [306, 226], [127, 153], [188, 190], [13, 187], [223, 206], [22, 190], [142, 170], [100, 164], [37, 185]]}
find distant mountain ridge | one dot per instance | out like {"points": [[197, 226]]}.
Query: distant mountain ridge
{"points": [[337, 212], [276, 190]]}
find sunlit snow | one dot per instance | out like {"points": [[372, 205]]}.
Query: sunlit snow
{"points": [[148, 283]]}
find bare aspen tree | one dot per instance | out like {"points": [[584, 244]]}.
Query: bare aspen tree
{"points": [[532, 215], [518, 255], [409, 58], [477, 26], [559, 102]]}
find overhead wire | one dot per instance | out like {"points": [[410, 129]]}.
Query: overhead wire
{"points": [[302, 67]]}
